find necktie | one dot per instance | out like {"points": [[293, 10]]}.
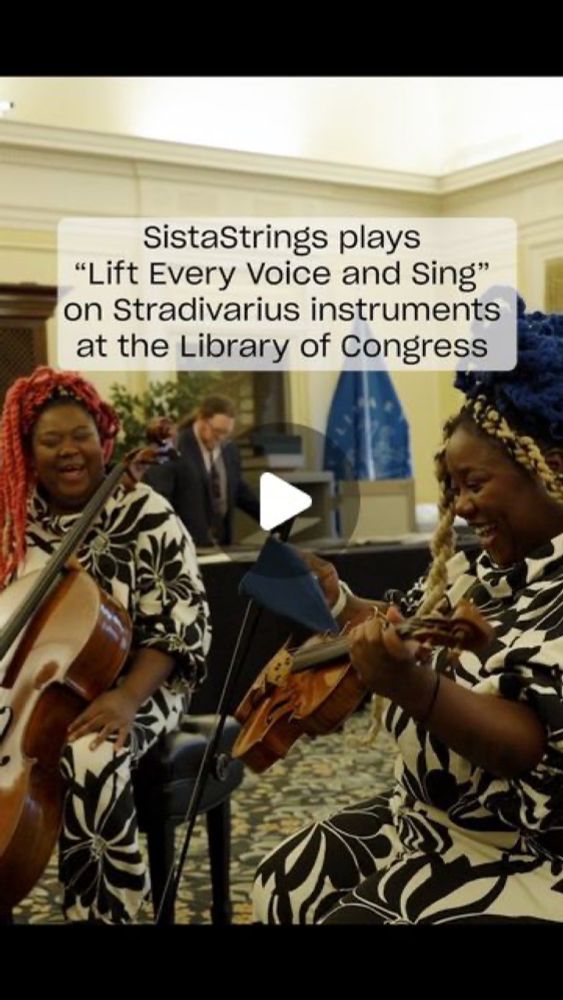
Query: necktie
{"points": [[216, 502]]}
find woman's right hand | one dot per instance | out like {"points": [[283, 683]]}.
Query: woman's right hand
{"points": [[384, 660], [325, 573]]}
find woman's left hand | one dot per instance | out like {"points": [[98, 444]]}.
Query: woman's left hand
{"points": [[383, 660], [112, 712]]}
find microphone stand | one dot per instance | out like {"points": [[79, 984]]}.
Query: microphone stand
{"points": [[245, 636]]}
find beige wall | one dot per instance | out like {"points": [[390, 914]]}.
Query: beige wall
{"points": [[534, 199], [40, 186]]}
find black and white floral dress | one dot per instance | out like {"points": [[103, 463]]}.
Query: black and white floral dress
{"points": [[139, 552], [450, 843]]}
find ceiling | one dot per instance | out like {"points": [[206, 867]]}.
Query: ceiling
{"points": [[422, 125]]}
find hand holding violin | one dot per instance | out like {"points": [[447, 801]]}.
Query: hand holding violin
{"points": [[388, 664], [356, 609], [325, 573]]}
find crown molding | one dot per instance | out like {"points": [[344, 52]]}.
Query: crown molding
{"points": [[497, 170], [74, 149], [548, 228], [38, 219], [131, 148]]}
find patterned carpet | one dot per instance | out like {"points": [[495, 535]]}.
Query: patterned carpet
{"points": [[316, 776]]}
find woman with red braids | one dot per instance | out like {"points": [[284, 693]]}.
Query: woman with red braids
{"points": [[56, 437]]}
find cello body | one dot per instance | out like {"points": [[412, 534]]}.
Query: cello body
{"points": [[72, 650]]}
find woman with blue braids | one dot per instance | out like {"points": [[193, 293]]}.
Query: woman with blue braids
{"points": [[472, 831]]}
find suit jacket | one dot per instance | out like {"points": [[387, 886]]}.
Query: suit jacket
{"points": [[185, 483]]}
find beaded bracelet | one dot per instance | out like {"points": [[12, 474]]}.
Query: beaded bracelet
{"points": [[426, 717]]}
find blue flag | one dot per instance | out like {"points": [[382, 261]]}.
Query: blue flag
{"points": [[367, 433], [282, 582]]}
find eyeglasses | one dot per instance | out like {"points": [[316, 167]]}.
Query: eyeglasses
{"points": [[221, 433]]}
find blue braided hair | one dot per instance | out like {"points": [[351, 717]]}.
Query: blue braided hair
{"points": [[522, 409], [530, 397]]}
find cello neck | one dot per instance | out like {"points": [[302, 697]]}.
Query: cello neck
{"points": [[55, 564]]}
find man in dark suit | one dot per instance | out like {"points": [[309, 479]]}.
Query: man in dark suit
{"points": [[209, 483]]}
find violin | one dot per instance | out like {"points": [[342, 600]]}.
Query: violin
{"points": [[63, 642], [314, 689]]}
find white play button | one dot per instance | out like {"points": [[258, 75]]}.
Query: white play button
{"points": [[279, 501]]}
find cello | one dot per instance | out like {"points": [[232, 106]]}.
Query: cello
{"points": [[314, 689], [63, 641]]}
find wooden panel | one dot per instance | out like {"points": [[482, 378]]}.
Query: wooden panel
{"points": [[554, 285], [24, 311]]}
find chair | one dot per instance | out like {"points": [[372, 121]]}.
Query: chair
{"points": [[163, 784]]}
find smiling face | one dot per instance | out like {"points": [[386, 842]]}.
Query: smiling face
{"points": [[510, 510], [67, 456]]}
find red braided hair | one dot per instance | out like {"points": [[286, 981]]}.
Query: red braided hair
{"points": [[22, 406]]}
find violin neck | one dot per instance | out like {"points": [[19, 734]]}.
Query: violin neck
{"points": [[333, 649], [50, 574]]}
